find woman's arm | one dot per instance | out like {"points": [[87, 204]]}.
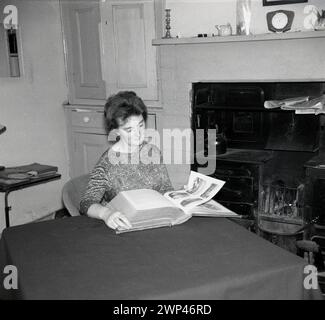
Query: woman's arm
{"points": [[90, 204], [96, 187]]}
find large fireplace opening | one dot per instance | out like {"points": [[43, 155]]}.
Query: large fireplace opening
{"points": [[269, 151]]}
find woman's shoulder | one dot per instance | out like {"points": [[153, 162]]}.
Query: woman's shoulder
{"points": [[103, 160]]}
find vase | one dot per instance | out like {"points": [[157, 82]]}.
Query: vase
{"points": [[243, 17]]}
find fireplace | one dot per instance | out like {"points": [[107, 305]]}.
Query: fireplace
{"points": [[267, 150]]}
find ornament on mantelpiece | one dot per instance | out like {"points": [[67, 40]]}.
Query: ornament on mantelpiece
{"points": [[243, 17], [167, 20], [314, 19], [311, 18]]}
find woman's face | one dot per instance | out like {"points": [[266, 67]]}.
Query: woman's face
{"points": [[132, 132]]}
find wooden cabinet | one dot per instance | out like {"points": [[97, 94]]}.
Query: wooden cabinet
{"points": [[129, 59], [108, 48], [87, 138], [81, 24]]}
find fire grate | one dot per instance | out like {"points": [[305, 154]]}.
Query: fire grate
{"points": [[281, 215], [282, 203]]}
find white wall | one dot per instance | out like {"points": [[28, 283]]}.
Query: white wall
{"points": [[31, 108], [191, 17]]}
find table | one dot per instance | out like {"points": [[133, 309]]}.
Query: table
{"points": [[203, 258], [7, 188]]}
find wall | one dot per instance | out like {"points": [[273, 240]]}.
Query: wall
{"points": [[31, 108], [191, 17], [181, 65]]}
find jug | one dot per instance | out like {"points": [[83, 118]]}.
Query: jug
{"points": [[224, 29]]}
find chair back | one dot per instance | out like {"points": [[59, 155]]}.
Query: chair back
{"points": [[72, 192]]}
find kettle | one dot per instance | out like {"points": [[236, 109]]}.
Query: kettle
{"points": [[224, 29], [218, 145]]}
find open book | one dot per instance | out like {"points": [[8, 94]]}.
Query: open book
{"points": [[146, 208]]}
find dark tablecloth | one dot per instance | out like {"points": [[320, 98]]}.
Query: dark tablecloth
{"points": [[204, 258]]}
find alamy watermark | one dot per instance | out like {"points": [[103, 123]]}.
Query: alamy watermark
{"points": [[10, 280], [311, 277], [176, 147], [10, 20]]}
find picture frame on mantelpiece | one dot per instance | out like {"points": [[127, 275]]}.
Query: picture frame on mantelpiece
{"points": [[281, 2]]}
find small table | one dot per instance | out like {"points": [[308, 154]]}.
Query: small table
{"points": [[7, 188]]}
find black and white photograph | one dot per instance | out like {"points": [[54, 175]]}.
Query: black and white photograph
{"points": [[125, 125], [208, 191], [197, 184], [281, 2]]}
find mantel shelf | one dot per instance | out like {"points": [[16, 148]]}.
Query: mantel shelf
{"points": [[235, 38]]}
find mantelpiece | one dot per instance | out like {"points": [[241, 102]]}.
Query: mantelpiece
{"points": [[235, 38]]}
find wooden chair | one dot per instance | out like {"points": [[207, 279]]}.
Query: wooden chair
{"points": [[72, 192]]}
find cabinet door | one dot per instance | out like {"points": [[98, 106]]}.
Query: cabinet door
{"points": [[88, 147], [4, 55], [129, 61], [81, 24]]}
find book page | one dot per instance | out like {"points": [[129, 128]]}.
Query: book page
{"points": [[213, 208], [200, 189]]}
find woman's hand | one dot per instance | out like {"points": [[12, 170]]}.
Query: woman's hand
{"points": [[117, 220], [113, 219]]}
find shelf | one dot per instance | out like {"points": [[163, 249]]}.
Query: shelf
{"points": [[235, 38]]}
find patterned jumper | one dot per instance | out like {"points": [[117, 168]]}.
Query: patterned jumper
{"points": [[109, 176]]}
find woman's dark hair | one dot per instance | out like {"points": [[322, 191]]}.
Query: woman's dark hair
{"points": [[121, 106]]}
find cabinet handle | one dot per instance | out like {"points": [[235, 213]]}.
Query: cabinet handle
{"points": [[81, 110], [86, 119]]}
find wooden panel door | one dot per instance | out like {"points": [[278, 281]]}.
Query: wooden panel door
{"points": [[88, 147], [129, 62], [81, 21]]}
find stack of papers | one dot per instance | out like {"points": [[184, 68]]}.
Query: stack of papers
{"points": [[301, 105]]}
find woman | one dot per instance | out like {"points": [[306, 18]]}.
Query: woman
{"points": [[127, 164]]}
